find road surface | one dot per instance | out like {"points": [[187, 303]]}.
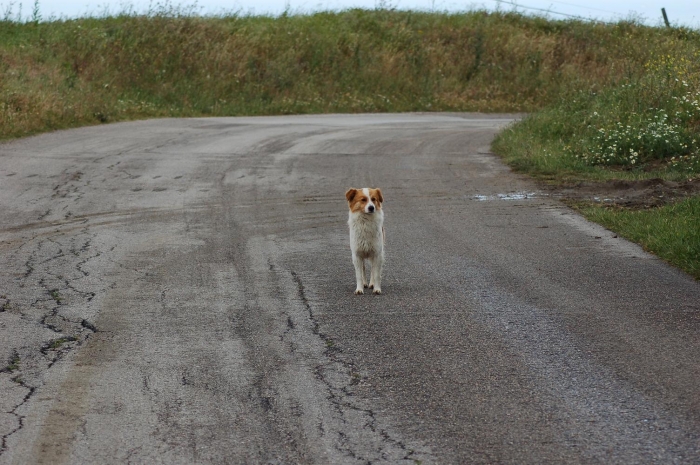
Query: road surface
{"points": [[181, 291]]}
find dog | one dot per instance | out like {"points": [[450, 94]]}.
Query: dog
{"points": [[366, 221]]}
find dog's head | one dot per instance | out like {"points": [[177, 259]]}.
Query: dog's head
{"points": [[366, 200]]}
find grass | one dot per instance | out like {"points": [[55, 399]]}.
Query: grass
{"points": [[13, 363], [672, 232], [645, 126], [66, 73], [56, 296], [57, 343], [607, 101]]}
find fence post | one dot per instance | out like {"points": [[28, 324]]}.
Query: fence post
{"points": [[663, 12]]}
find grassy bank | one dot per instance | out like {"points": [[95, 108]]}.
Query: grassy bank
{"points": [[66, 73], [608, 101], [644, 127]]}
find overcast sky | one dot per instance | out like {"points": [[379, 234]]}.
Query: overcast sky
{"points": [[680, 12]]}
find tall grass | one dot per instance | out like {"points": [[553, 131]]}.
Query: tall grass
{"points": [[646, 125], [65, 73]]}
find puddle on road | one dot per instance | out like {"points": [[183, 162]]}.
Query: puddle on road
{"points": [[532, 195], [509, 196]]}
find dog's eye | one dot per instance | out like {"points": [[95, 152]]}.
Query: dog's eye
{"points": [[373, 199]]}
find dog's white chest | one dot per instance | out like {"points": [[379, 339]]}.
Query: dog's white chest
{"points": [[366, 237]]}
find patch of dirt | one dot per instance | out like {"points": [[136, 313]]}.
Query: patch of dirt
{"points": [[646, 193]]}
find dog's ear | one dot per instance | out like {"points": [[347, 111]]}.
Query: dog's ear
{"points": [[380, 197], [350, 194]]}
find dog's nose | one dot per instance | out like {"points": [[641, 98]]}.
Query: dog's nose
{"points": [[370, 208]]}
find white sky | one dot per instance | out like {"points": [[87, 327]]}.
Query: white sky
{"points": [[680, 12]]}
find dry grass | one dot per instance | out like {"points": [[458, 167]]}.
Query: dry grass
{"points": [[67, 73]]}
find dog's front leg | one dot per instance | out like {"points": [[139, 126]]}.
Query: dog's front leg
{"points": [[375, 280], [359, 274]]}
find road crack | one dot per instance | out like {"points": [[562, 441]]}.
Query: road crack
{"points": [[340, 395], [54, 268], [14, 412]]}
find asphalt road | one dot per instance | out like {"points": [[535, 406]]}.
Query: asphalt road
{"points": [[181, 291]]}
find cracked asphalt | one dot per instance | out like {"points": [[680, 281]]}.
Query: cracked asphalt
{"points": [[181, 291]]}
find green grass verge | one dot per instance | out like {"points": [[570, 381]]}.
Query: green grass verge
{"points": [[672, 232]]}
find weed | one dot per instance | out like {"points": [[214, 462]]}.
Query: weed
{"points": [[13, 364], [56, 296], [57, 343], [356, 378]]}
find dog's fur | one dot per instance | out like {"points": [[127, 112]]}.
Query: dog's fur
{"points": [[366, 221]]}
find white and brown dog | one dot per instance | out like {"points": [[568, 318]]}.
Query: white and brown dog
{"points": [[366, 221]]}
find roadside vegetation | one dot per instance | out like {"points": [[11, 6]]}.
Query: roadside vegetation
{"points": [[64, 73], [645, 126], [606, 101], [671, 231]]}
